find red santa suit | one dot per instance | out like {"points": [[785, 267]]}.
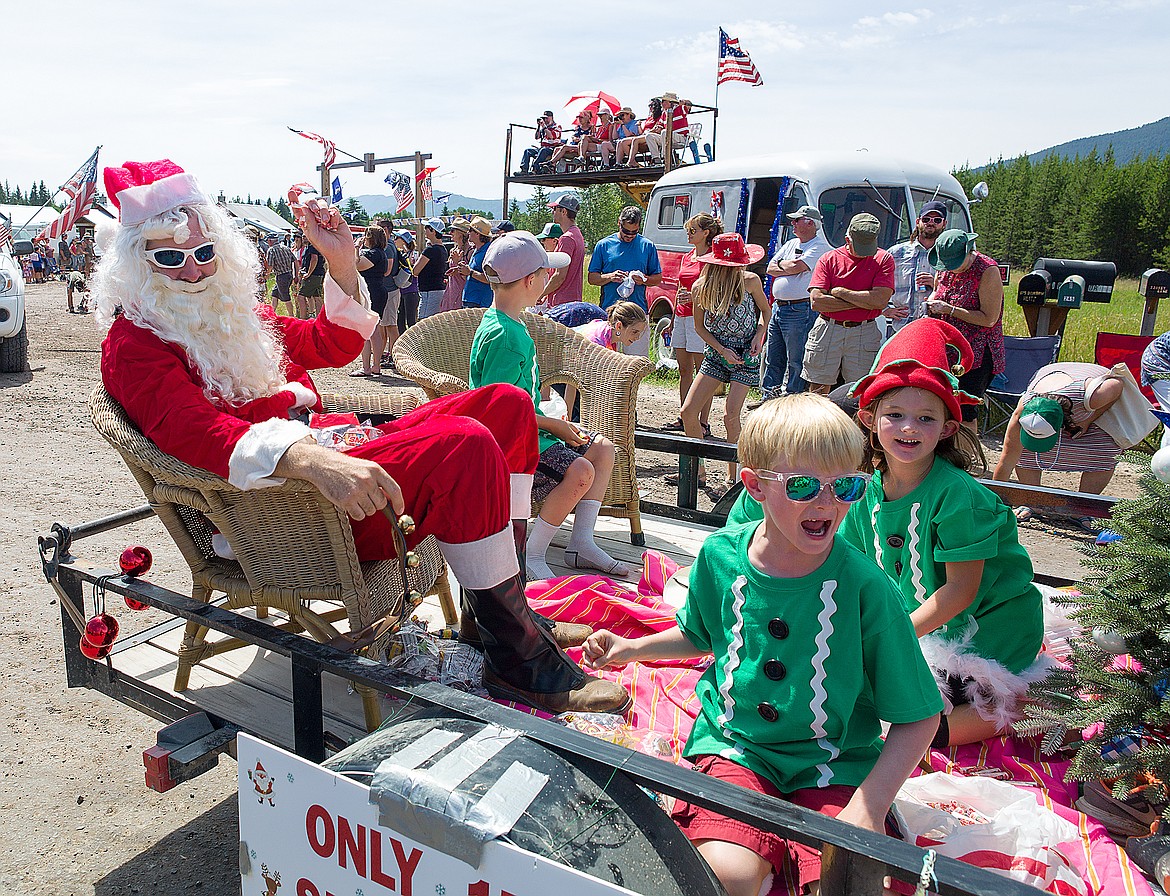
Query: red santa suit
{"points": [[477, 442]]}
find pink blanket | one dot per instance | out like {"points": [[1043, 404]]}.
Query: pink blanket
{"points": [[665, 707]]}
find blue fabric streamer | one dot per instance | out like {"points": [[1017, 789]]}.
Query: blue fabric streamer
{"points": [[741, 215], [777, 223]]}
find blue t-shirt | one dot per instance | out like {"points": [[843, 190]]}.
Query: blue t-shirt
{"points": [[611, 254], [476, 294]]}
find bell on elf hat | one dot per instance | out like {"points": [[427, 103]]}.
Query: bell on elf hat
{"points": [[917, 356], [141, 190]]}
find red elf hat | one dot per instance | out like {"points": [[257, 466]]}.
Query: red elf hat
{"points": [[141, 190], [917, 356]]}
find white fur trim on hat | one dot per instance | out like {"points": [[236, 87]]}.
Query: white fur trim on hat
{"points": [[260, 450], [351, 312], [136, 204]]}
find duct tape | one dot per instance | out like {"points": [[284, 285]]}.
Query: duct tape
{"points": [[424, 804]]}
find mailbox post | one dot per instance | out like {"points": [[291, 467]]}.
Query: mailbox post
{"points": [[1153, 287], [1058, 285]]}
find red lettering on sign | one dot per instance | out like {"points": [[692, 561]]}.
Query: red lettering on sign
{"points": [[350, 845], [324, 845], [406, 866], [483, 888], [376, 873], [306, 888]]}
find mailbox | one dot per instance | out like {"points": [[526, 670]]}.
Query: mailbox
{"points": [[1071, 292], [1099, 275], [1154, 284], [1034, 288]]}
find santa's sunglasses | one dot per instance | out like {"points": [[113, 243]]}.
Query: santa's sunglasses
{"points": [[172, 258], [803, 488]]}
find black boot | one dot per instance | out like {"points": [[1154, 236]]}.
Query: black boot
{"points": [[523, 662]]}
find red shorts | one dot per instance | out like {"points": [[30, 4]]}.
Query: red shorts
{"points": [[794, 865]]}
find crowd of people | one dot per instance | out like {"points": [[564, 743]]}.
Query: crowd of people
{"points": [[70, 254], [864, 577], [603, 139]]}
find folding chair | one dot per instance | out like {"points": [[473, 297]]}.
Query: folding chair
{"points": [[1121, 348], [1024, 356]]}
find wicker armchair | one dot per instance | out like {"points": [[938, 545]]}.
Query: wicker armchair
{"points": [[436, 354], [292, 546]]}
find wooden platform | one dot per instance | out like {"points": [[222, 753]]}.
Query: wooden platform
{"points": [[253, 687]]}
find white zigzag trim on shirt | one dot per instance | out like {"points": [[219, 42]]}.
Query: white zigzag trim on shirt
{"points": [[733, 649], [820, 717], [877, 539], [913, 541]]}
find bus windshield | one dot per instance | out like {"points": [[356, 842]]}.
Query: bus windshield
{"points": [[840, 204]]}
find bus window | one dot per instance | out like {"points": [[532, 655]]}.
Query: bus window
{"points": [[839, 205], [674, 211], [956, 216]]}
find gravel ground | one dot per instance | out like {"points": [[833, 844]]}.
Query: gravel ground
{"points": [[73, 762]]}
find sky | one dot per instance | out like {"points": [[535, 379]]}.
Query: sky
{"points": [[213, 85]]}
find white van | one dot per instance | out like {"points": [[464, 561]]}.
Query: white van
{"points": [[748, 190]]}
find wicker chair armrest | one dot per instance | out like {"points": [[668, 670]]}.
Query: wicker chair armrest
{"points": [[432, 381], [394, 402]]}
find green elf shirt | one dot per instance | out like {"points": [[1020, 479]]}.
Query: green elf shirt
{"points": [[503, 352], [804, 668], [951, 517]]}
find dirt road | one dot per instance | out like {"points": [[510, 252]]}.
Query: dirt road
{"points": [[79, 818]]}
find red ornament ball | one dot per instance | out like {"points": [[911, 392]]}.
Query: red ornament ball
{"points": [[135, 604], [95, 653], [101, 631], [135, 561]]}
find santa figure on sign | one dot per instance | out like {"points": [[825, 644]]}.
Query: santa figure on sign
{"points": [[221, 382]]}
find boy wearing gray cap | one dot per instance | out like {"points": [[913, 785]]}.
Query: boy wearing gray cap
{"points": [[575, 466]]}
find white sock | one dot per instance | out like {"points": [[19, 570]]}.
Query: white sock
{"points": [[538, 541], [587, 550]]}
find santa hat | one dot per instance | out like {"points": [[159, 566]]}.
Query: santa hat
{"points": [[917, 356], [141, 190]]}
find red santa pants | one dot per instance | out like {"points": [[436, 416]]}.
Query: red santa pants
{"points": [[453, 459]]}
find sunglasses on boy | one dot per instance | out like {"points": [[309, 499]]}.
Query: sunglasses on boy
{"points": [[802, 488], [172, 258]]}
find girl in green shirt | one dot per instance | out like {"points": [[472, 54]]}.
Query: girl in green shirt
{"points": [[949, 542]]}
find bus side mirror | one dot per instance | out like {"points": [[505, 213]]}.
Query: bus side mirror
{"points": [[980, 191]]}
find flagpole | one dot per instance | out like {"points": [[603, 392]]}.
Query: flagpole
{"points": [[715, 119], [55, 192]]}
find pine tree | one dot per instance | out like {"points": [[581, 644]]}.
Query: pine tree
{"points": [[1113, 694]]}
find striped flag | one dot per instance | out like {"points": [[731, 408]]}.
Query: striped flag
{"points": [[5, 231], [735, 64], [330, 146], [401, 189], [424, 180], [81, 189]]}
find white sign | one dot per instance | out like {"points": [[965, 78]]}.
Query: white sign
{"points": [[307, 831]]}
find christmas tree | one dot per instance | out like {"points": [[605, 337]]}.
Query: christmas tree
{"points": [[1111, 696]]}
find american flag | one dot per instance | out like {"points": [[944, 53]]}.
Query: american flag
{"points": [[401, 189], [81, 189], [424, 180], [330, 146], [717, 204], [5, 231], [735, 64]]}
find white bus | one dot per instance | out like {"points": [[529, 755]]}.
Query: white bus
{"points": [[747, 194]]}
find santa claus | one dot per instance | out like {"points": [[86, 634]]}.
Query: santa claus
{"points": [[222, 383]]}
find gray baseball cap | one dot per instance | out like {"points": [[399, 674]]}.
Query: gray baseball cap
{"points": [[805, 211], [568, 200], [515, 255]]}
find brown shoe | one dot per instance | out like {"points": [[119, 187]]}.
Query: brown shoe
{"points": [[566, 634], [595, 695]]}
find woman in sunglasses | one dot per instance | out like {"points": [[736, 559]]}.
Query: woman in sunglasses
{"points": [[950, 543]]}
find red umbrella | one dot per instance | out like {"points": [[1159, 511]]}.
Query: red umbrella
{"points": [[595, 102]]}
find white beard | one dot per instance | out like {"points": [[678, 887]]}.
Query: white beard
{"points": [[238, 357]]}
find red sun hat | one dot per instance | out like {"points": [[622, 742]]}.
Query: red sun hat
{"points": [[141, 190], [729, 249], [917, 356]]}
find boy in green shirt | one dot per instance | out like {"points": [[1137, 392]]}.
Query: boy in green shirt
{"points": [[575, 467], [812, 649]]}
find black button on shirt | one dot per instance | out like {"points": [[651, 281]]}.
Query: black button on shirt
{"points": [[778, 629], [767, 712], [775, 670]]}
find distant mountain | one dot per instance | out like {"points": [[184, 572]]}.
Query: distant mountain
{"points": [[1153, 138]]}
